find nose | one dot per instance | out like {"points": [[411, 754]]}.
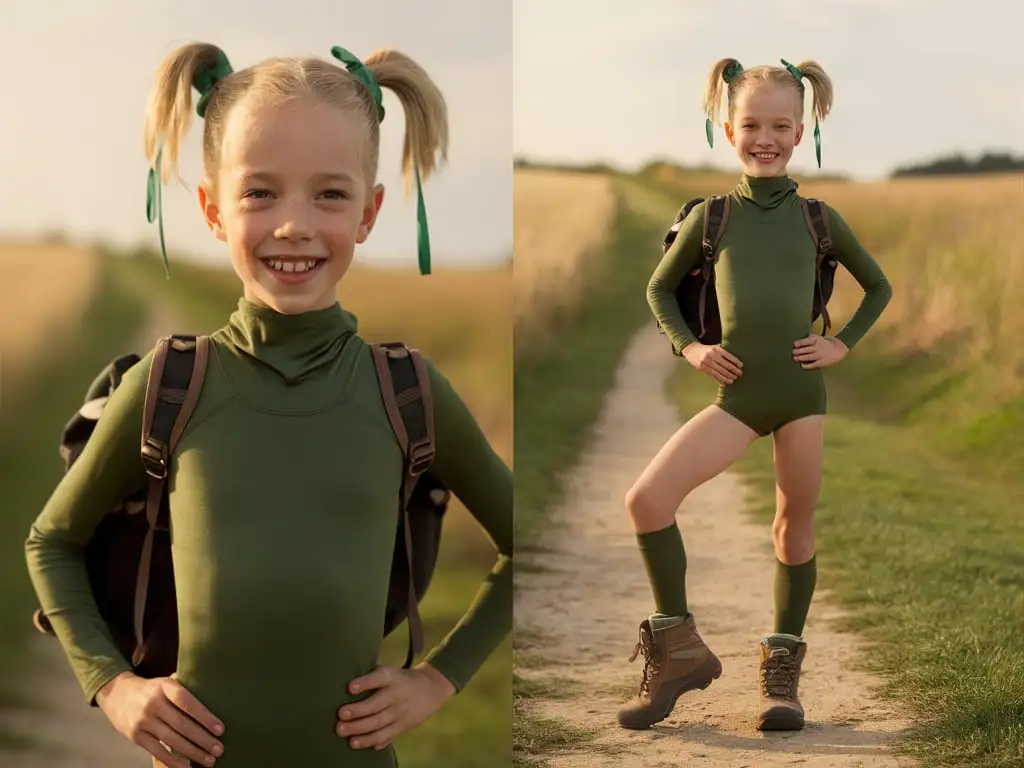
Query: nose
{"points": [[296, 223]]}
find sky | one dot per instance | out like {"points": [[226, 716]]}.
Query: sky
{"points": [[623, 82], [76, 77]]}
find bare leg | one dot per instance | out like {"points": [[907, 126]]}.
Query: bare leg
{"points": [[798, 461], [798, 451], [705, 446]]}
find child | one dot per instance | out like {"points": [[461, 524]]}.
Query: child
{"points": [[284, 487], [769, 370]]}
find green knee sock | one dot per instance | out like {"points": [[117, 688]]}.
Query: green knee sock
{"points": [[794, 586], [665, 561]]}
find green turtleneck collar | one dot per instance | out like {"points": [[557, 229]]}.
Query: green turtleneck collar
{"points": [[765, 193], [293, 346]]}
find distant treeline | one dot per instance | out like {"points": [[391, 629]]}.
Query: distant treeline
{"points": [[990, 162]]}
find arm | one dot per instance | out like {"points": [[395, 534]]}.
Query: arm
{"points": [[684, 255], [469, 467], [108, 469], [865, 270]]}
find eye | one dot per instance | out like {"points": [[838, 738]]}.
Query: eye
{"points": [[336, 194], [256, 194]]}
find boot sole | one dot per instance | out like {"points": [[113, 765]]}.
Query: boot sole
{"points": [[712, 669], [779, 720]]}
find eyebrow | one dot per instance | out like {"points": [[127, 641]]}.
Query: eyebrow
{"points": [[265, 177]]}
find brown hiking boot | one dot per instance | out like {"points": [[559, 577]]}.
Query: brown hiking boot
{"points": [[781, 658], [676, 660]]}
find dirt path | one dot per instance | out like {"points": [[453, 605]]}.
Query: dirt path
{"points": [[68, 733], [587, 599]]}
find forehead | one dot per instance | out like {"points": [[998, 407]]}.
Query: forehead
{"points": [[298, 136], [768, 101]]}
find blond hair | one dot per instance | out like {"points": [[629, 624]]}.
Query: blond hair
{"points": [[275, 80], [729, 73]]}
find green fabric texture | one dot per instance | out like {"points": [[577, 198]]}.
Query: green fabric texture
{"points": [[794, 589], [283, 495], [665, 562], [765, 283]]}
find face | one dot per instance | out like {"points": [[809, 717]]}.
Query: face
{"points": [[764, 129], [291, 200]]}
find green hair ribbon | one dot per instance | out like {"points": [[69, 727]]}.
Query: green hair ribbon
{"points": [[795, 72], [367, 78], [204, 80], [730, 73]]}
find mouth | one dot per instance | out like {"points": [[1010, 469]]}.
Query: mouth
{"points": [[765, 157], [291, 269]]}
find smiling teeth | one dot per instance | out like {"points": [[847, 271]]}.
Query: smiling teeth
{"points": [[292, 266], [765, 155]]}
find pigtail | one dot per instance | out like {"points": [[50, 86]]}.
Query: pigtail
{"points": [[821, 85], [722, 74], [169, 110], [425, 147]]}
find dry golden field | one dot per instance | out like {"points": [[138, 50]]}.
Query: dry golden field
{"points": [[43, 289], [560, 219]]}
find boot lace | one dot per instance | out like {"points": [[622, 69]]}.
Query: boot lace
{"points": [[778, 674], [652, 663]]}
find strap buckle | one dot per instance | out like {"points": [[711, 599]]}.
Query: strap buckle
{"points": [[154, 459], [421, 455]]}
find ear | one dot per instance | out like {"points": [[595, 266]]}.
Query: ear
{"points": [[799, 134], [729, 133], [211, 212], [370, 212]]}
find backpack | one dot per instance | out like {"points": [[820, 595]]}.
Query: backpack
{"points": [[128, 558], [696, 295]]}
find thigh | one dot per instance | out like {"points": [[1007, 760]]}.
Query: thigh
{"points": [[798, 447], [706, 445]]}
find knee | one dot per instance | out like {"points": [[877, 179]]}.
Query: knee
{"points": [[793, 537], [644, 509]]}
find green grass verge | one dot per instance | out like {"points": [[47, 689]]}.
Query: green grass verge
{"points": [[919, 533], [29, 464]]}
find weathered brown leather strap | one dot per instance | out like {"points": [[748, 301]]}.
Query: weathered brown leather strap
{"points": [[154, 493]]}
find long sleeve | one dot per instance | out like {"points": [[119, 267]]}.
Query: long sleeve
{"points": [[848, 251], [684, 254], [467, 464], [108, 469]]}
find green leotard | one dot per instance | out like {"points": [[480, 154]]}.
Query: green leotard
{"points": [[765, 284], [283, 498]]}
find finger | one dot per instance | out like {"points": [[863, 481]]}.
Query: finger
{"points": [[812, 365], [730, 366], [378, 702], [718, 376], [159, 752], [809, 353], [804, 342], [723, 374], [181, 723], [368, 724], [379, 678], [183, 699], [165, 733], [378, 739], [731, 358]]}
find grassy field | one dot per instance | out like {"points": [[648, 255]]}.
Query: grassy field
{"points": [[42, 305], [919, 520], [462, 321], [561, 222]]}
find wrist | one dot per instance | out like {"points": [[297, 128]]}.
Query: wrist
{"points": [[440, 683], [104, 693]]}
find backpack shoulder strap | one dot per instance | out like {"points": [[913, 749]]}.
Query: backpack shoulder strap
{"points": [[716, 214], [816, 216], [405, 389], [175, 380]]}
